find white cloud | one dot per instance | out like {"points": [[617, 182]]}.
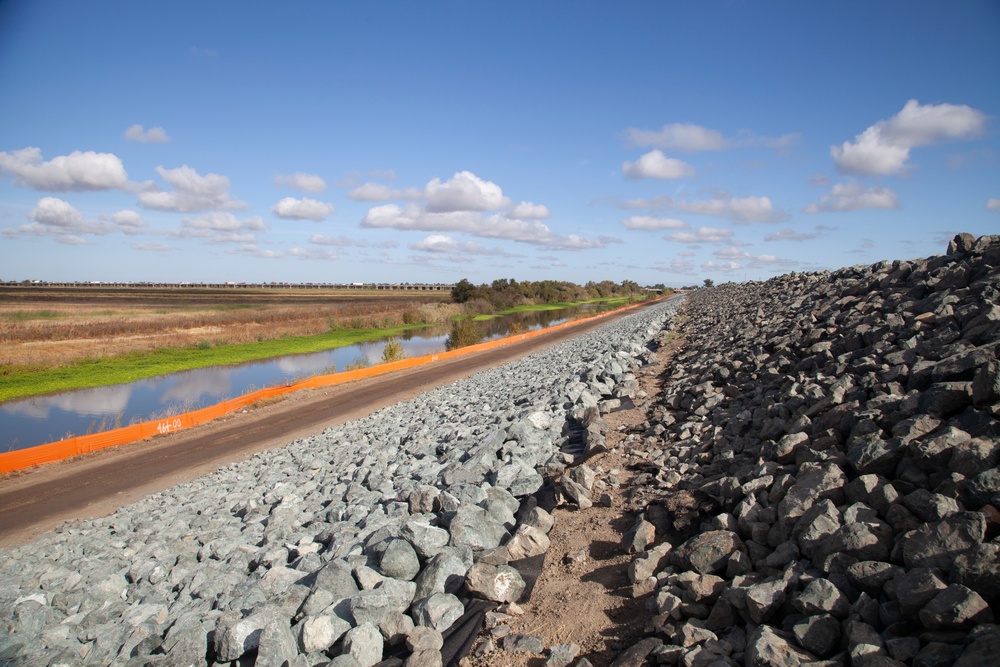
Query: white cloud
{"points": [[754, 261], [679, 136], [382, 192], [884, 148], [302, 209], [414, 218], [460, 205], [74, 172], [314, 254], [688, 137], [790, 235], [527, 210], [655, 164], [60, 217], [702, 235], [677, 265], [192, 192], [722, 267], [221, 227], [741, 210], [55, 212], [853, 196], [650, 223], [344, 242], [464, 192], [153, 247], [129, 222], [993, 204], [301, 181], [54, 217], [154, 135], [439, 243]]}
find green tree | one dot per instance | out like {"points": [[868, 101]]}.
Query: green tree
{"points": [[709, 282], [462, 291]]}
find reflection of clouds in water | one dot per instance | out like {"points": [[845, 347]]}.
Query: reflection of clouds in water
{"points": [[94, 402], [191, 386], [306, 363]]}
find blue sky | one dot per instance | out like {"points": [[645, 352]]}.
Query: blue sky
{"points": [[662, 142]]}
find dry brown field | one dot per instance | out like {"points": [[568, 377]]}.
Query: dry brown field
{"points": [[53, 326]]}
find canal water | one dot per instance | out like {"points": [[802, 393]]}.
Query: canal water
{"points": [[41, 419]]}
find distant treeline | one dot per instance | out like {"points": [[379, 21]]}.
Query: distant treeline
{"points": [[508, 293]]}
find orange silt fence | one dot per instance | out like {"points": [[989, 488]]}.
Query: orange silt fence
{"points": [[61, 450]]}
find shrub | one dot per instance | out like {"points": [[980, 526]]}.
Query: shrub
{"points": [[357, 364], [464, 332], [393, 351]]}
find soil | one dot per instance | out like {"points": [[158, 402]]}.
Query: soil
{"points": [[583, 595]]}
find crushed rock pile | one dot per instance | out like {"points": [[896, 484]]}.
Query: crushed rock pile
{"points": [[822, 482]]}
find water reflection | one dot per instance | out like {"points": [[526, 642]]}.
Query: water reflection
{"points": [[34, 421]]}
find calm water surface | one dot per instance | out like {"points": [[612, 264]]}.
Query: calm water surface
{"points": [[38, 420]]}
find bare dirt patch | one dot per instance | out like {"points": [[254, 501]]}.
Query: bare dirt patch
{"points": [[583, 595]]}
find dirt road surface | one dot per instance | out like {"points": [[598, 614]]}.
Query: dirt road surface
{"points": [[95, 485]]}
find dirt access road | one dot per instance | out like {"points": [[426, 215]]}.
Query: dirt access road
{"points": [[95, 485]]}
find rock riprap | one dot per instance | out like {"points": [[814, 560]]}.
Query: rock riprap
{"points": [[337, 548], [841, 428]]}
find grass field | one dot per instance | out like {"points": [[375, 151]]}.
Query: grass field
{"points": [[65, 338]]}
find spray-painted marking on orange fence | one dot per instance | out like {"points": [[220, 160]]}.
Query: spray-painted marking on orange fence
{"points": [[29, 457]]}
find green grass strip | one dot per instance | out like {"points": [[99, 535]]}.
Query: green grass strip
{"points": [[24, 381]]}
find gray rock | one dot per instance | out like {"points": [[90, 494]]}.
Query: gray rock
{"points": [[423, 638], [560, 655], [518, 643], [577, 493], [981, 652], [979, 569], [527, 541], [425, 657], [277, 645], [936, 544], [438, 611], [917, 587], [955, 607], [818, 634], [769, 647], [475, 527], [540, 519], [236, 635], [424, 499], [635, 655], [763, 599], [318, 633], [497, 583], [427, 540], [822, 597], [709, 552], [640, 536], [364, 644], [397, 559], [445, 573]]}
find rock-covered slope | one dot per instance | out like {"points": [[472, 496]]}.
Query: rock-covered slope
{"points": [[837, 437], [341, 548]]}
